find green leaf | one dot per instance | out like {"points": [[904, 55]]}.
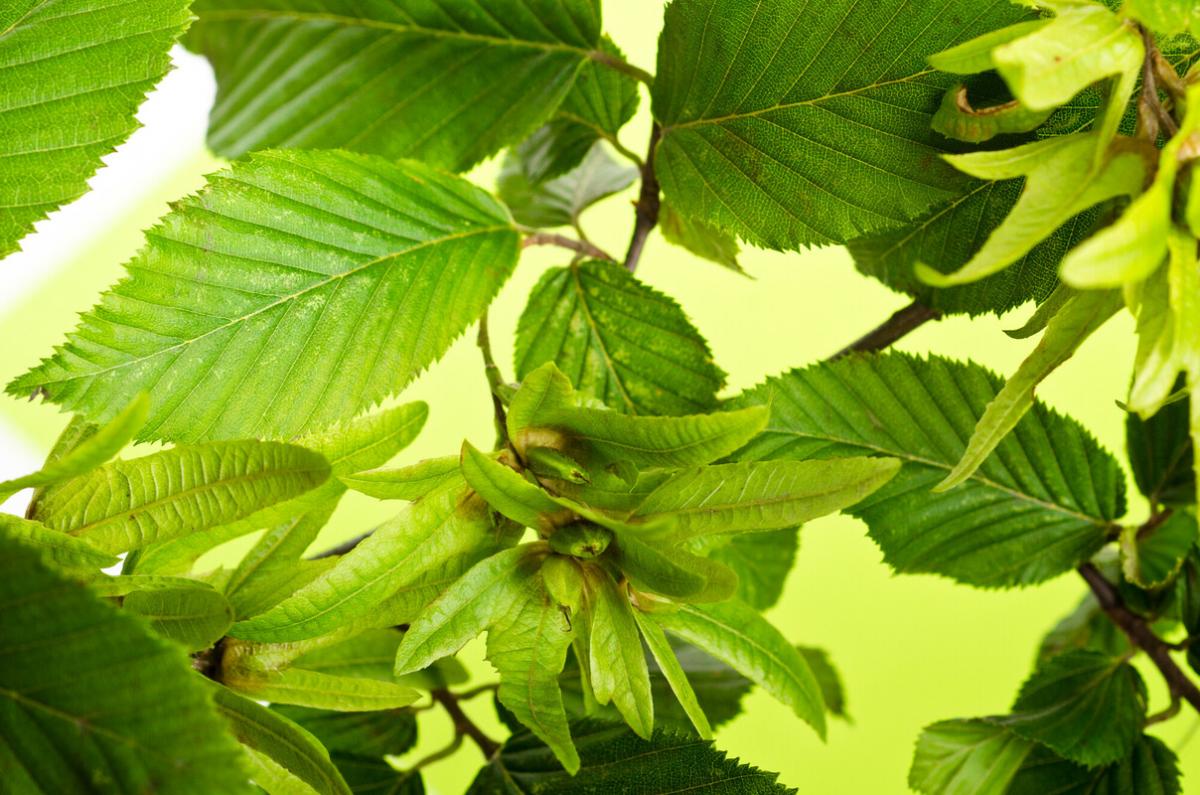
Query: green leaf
{"points": [[673, 673], [618, 671], [761, 495], [959, 119], [1150, 557], [407, 483], [618, 340], [670, 572], [275, 557], [129, 504], [321, 691], [1084, 628], [705, 241], [761, 561], [1080, 317], [975, 56], [92, 451], [291, 293], [597, 107], [505, 490], [613, 759], [966, 757], [562, 200], [1040, 505], [1161, 454], [374, 776], [827, 677], [290, 746], [1150, 769], [416, 541], [777, 133], [90, 699], [402, 79], [70, 84], [196, 616], [273, 584], [56, 549], [1084, 705], [738, 635], [1165, 16], [368, 441], [1061, 181]]}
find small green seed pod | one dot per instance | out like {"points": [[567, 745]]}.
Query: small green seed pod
{"points": [[582, 540]]}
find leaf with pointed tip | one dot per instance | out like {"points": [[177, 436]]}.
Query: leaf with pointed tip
{"points": [[195, 616], [275, 556], [442, 526], [92, 451], [829, 680], [738, 635], [505, 490], [126, 505], [671, 670], [561, 201], [773, 131], [761, 561], [752, 496], [618, 671], [293, 748], [1149, 769], [368, 441], [70, 84], [320, 691], [91, 699], [1080, 317], [56, 548], [705, 241], [406, 483], [966, 757], [1084, 705], [1040, 505], [448, 85], [1161, 454], [274, 584], [618, 340], [278, 308], [1151, 557], [614, 759]]}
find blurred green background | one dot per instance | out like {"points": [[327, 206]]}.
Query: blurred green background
{"points": [[911, 650]]}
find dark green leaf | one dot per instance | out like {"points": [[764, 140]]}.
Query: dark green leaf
{"points": [[827, 676], [1150, 769], [1161, 454], [374, 776], [761, 561], [705, 241], [364, 733], [966, 757], [1150, 556], [1084, 628]]}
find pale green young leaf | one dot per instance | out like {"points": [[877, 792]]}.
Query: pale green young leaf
{"points": [[368, 441], [761, 561], [126, 505], [398, 79], [670, 572], [291, 747], [975, 56], [618, 340], [752, 496], [273, 584], [417, 540], [196, 616], [505, 490], [739, 636], [468, 607], [617, 665], [560, 201], [93, 450], [1080, 317], [1150, 557], [1151, 768], [672, 671], [702, 239], [1060, 183], [966, 757], [70, 84], [279, 308], [275, 557], [60, 550], [1040, 505], [322, 691], [1084, 705], [763, 118], [545, 390], [406, 483], [1169, 17], [90, 698], [959, 119]]}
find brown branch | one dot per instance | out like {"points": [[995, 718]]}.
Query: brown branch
{"points": [[648, 206], [1150, 100], [569, 243], [463, 725], [344, 547], [1140, 635], [904, 321]]}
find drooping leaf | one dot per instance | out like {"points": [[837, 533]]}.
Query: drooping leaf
{"points": [[406, 483], [1083, 705], [671, 671], [504, 489], [762, 495], [401, 79], [1080, 317], [618, 671], [58, 549], [1161, 454], [617, 340], [966, 757], [70, 84], [613, 759], [827, 676], [1038, 506], [738, 635], [1151, 556], [293, 748], [761, 561], [772, 130], [90, 699], [1149, 769], [562, 200], [442, 526], [320, 690], [126, 505], [1084, 628], [279, 309], [702, 239]]}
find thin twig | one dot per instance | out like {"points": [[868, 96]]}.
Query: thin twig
{"points": [[623, 66], [495, 381], [569, 243], [437, 756], [904, 321], [648, 206], [1140, 635], [467, 695], [463, 725], [1150, 99]]}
